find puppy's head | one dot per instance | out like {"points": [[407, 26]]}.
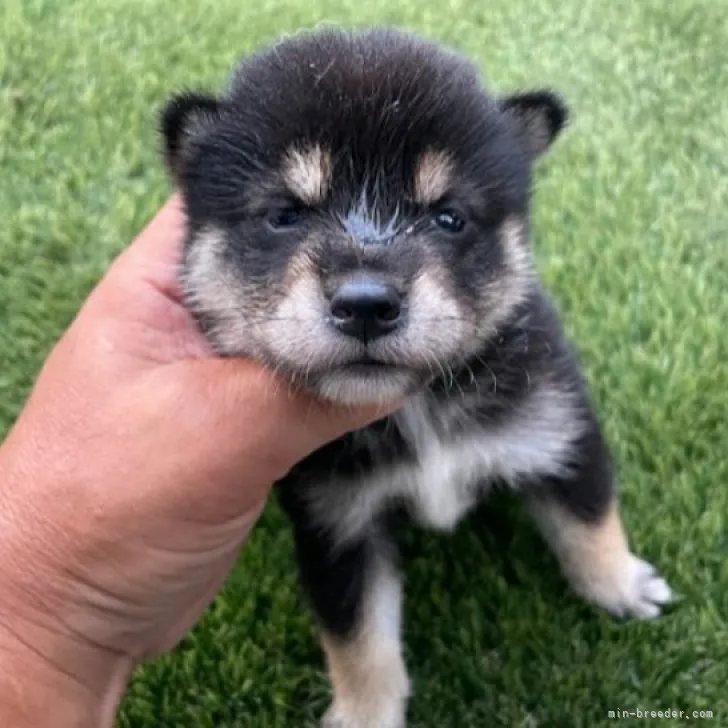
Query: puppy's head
{"points": [[358, 209]]}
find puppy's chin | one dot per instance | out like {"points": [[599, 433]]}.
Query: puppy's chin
{"points": [[352, 386]]}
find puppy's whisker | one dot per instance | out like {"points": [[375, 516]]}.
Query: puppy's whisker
{"points": [[493, 376], [454, 379], [473, 379]]}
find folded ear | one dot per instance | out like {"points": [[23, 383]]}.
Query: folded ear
{"points": [[539, 117], [183, 118]]}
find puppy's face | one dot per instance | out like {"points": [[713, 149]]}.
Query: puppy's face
{"points": [[358, 210]]}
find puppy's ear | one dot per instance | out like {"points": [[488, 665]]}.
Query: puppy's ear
{"points": [[185, 117], [539, 117]]}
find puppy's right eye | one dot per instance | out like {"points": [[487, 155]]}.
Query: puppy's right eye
{"points": [[449, 220], [285, 217]]}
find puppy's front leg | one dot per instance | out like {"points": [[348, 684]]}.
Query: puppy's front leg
{"points": [[579, 517], [355, 590], [365, 665]]}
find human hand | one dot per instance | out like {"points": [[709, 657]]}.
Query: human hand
{"points": [[130, 482]]}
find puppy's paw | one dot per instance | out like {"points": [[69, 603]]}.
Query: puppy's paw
{"points": [[632, 589], [340, 717]]}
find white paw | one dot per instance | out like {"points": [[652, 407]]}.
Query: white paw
{"points": [[634, 589], [338, 717]]}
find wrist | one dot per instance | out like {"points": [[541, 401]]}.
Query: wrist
{"points": [[44, 686], [49, 675]]}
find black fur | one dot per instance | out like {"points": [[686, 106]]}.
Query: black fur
{"points": [[538, 113], [376, 101], [333, 577], [179, 114], [490, 385]]}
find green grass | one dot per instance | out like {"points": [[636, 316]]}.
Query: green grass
{"points": [[631, 236]]}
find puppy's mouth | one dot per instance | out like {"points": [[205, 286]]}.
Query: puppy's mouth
{"points": [[368, 366], [365, 380]]}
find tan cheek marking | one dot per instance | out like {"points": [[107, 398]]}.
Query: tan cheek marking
{"points": [[302, 305], [511, 286], [307, 174], [437, 325], [300, 265], [207, 282], [518, 257], [303, 299], [432, 302], [433, 177], [211, 287]]}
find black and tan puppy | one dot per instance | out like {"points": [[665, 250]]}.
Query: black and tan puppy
{"points": [[359, 221]]}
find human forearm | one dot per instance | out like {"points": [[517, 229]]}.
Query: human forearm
{"points": [[36, 693], [49, 677]]}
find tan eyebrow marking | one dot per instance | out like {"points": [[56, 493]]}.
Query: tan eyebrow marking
{"points": [[307, 173], [433, 177]]}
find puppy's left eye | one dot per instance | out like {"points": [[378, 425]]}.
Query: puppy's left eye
{"points": [[285, 217], [449, 220]]}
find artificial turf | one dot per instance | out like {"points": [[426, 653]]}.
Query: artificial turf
{"points": [[631, 228]]}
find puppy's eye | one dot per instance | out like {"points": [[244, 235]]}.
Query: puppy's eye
{"points": [[285, 217], [450, 221]]}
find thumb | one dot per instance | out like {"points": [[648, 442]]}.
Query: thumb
{"points": [[326, 421], [257, 414]]}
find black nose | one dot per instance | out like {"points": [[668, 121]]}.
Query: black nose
{"points": [[366, 309]]}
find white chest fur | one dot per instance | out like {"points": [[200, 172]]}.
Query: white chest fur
{"points": [[440, 488], [450, 474]]}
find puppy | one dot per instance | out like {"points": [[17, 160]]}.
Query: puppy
{"points": [[358, 210]]}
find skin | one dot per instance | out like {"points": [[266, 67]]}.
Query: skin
{"points": [[128, 486]]}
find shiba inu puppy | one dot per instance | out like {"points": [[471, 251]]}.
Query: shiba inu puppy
{"points": [[358, 209]]}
